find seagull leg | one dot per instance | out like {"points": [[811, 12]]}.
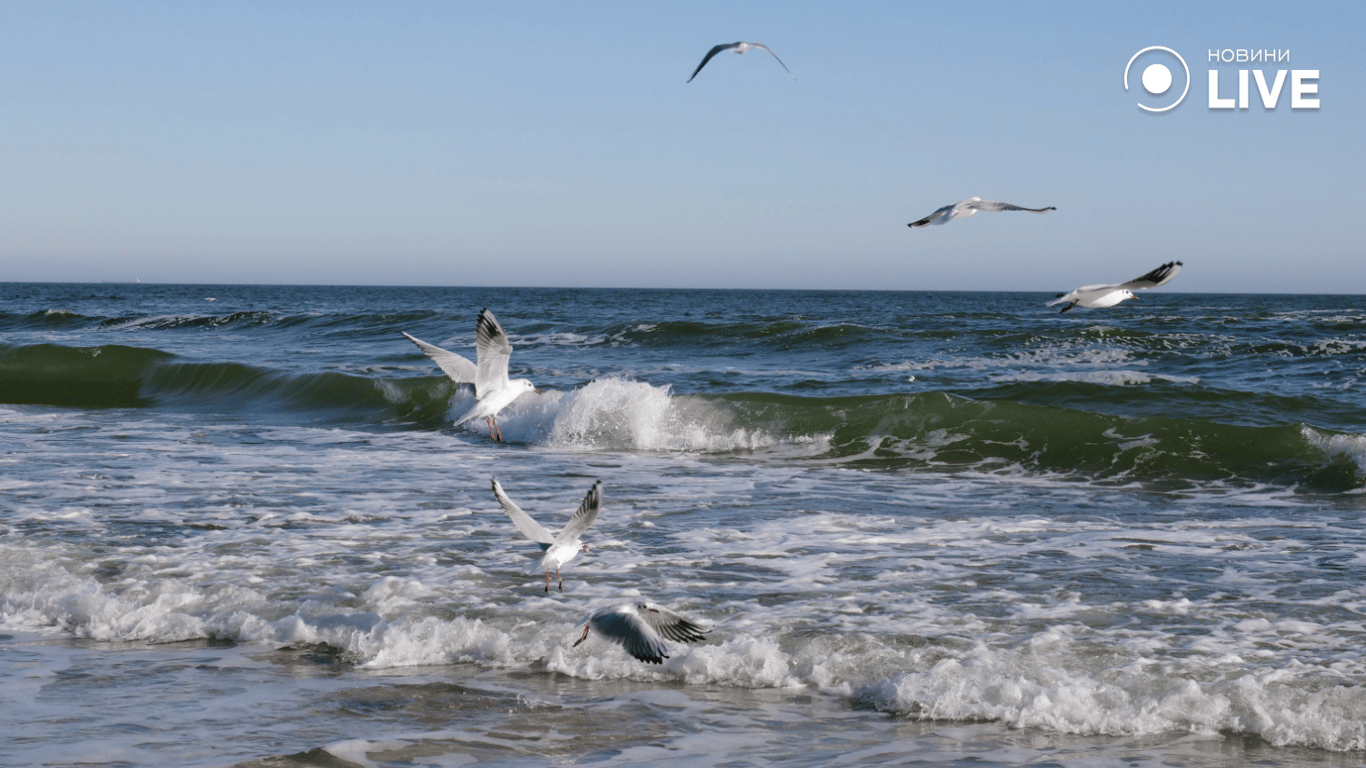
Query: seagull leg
{"points": [[561, 578], [1069, 306], [547, 582], [495, 428]]}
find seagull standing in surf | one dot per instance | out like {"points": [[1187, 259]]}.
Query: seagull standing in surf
{"points": [[492, 388], [739, 48], [965, 208], [559, 548], [1101, 296], [641, 628]]}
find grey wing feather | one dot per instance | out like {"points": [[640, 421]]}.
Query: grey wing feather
{"points": [[672, 625], [715, 50], [584, 517], [494, 349], [529, 528], [780, 61], [1160, 276], [633, 635], [994, 206], [926, 220], [1070, 295], [459, 369]]}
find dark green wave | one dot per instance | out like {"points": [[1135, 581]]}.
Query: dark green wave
{"points": [[945, 432], [109, 376], [1069, 430]]}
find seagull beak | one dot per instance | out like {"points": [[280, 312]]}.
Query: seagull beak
{"points": [[581, 639]]}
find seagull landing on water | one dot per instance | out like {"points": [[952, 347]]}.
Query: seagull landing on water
{"points": [[1100, 296], [559, 548], [641, 629], [492, 388], [739, 48], [968, 207]]}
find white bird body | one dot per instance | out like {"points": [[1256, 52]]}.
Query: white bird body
{"points": [[493, 390], [561, 547], [641, 629], [1102, 296], [739, 47], [965, 208]]}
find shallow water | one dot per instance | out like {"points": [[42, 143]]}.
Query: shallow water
{"points": [[931, 528]]}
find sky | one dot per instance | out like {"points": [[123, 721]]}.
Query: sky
{"points": [[559, 144]]}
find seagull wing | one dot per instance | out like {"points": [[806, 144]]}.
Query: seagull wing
{"points": [[780, 61], [994, 206], [929, 219], [1160, 276], [626, 628], [1078, 292], [582, 519], [715, 50], [460, 370], [670, 624], [529, 528], [494, 350]]}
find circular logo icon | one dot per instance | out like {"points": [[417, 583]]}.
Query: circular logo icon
{"points": [[1157, 78]]}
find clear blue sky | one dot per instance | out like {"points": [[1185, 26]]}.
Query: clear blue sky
{"points": [[557, 144]]}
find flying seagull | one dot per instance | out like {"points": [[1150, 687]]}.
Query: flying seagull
{"points": [[739, 48], [968, 207], [492, 388], [641, 629], [559, 548], [1099, 296]]}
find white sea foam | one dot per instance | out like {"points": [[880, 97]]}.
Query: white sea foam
{"points": [[617, 414], [1116, 378], [1047, 690], [1067, 355], [1054, 605], [1351, 446]]}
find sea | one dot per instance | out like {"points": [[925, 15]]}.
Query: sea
{"points": [[239, 527]]}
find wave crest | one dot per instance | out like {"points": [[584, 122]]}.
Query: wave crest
{"points": [[614, 414]]}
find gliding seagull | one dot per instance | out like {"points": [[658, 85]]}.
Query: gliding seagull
{"points": [[1100, 296], [492, 388], [638, 628], [559, 548], [968, 207], [739, 48]]}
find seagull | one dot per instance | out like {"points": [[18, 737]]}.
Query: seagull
{"points": [[739, 48], [1099, 296], [492, 388], [637, 627], [968, 207], [559, 548]]}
